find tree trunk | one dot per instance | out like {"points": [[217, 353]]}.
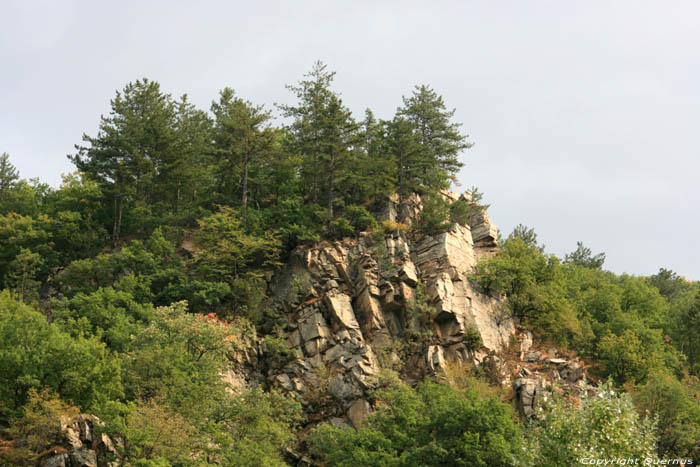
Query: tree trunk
{"points": [[400, 187], [244, 196], [118, 208], [115, 225], [314, 195], [331, 186], [177, 202]]}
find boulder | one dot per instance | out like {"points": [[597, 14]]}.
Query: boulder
{"points": [[341, 309], [527, 390], [313, 327], [358, 412]]}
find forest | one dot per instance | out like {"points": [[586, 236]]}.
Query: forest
{"points": [[126, 290]]}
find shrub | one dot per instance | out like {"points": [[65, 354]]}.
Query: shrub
{"points": [[603, 425], [360, 218], [431, 425]]}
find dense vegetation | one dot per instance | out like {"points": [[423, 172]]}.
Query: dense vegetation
{"points": [[126, 289], [639, 332]]}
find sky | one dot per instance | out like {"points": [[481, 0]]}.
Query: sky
{"points": [[585, 114]]}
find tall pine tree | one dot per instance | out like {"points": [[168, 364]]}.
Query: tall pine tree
{"points": [[8, 174], [313, 94], [441, 139], [243, 139]]}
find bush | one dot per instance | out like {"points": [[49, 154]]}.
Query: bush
{"points": [[35, 354], [340, 227], [361, 219], [390, 226], [604, 425], [431, 425], [434, 218]]}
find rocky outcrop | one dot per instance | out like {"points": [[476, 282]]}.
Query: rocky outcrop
{"points": [[538, 370], [353, 305], [81, 446]]}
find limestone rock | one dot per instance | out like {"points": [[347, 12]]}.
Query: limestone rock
{"points": [[83, 458], [341, 388], [58, 460], [571, 372]]}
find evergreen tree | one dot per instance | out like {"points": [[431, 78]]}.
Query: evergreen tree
{"points": [[584, 257], [339, 134], [8, 174], [371, 173], [313, 94], [186, 174], [243, 138], [440, 138], [133, 145], [406, 152]]}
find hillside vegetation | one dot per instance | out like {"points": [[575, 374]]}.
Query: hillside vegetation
{"points": [[131, 290]]}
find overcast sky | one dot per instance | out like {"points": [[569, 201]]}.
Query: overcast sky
{"points": [[585, 115]]}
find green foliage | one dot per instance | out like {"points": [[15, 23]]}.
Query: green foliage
{"points": [[620, 320], [431, 425], [527, 235], [604, 425], [227, 250], [360, 219], [22, 275], [113, 315], [153, 434], [585, 258], [8, 175], [625, 357], [690, 320], [257, 426], [180, 356], [434, 217], [21, 234], [677, 408], [35, 354]]}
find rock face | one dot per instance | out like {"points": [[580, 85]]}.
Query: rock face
{"points": [[537, 370], [351, 306], [81, 446]]}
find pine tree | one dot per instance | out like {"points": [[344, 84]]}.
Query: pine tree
{"points": [[242, 137], [8, 174], [407, 153], [339, 135], [186, 174], [133, 146], [440, 138], [369, 175], [313, 94]]}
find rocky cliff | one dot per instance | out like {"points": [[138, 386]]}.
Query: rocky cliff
{"points": [[353, 306]]}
